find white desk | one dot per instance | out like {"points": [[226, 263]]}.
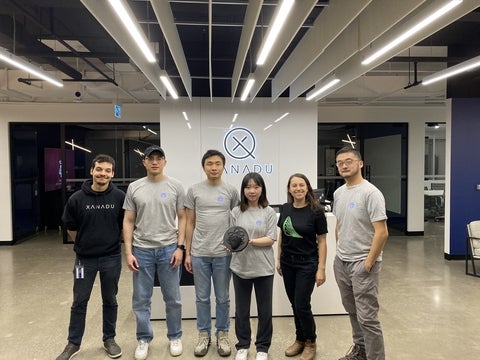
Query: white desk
{"points": [[325, 299]]}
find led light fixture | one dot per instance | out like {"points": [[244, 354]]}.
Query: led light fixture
{"points": [[281, 117], [276, 26], [349, 141], [19, 63], [125, 14], [452, 70], [413, 30], [247, 88], [75, 146], [150, 130], [328, 84], [168, 84]]}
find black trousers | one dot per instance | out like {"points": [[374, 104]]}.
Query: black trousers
{"points": [[299, 279], [263, 295]]}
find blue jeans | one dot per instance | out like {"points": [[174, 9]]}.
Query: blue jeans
{"points": [[151, 261], [109, 268], [206, 269], [299, 280]]}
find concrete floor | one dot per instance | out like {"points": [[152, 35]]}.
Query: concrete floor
{"points": [[428, 307]]}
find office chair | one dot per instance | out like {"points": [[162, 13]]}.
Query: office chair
{"points": [[472, 247]]}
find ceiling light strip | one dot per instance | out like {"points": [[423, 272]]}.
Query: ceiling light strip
{"points": [[74, 146], [168, 84], [451, 71], [315, 93], [19, 63], [413, 30], [125, 14], [247, 88], [274, 30]]}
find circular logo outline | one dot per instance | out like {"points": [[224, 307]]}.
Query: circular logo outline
{"points": [[239, 143]]}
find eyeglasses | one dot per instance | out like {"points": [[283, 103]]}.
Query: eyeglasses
{"points": [[154, 158], [347, 162]]}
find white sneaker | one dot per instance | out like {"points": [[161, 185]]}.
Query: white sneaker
{"points": [[261, 356], [176, 347], [141, 352], [242, 354]]}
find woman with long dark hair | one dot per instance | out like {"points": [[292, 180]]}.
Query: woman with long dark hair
{"points": [[254, 266], [302, 254]]}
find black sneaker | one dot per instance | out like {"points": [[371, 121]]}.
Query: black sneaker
{"points": [[112, 349], [356, 352], [69, 352]]}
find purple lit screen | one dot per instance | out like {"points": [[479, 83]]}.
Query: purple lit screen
{"points": [[53, 167]]}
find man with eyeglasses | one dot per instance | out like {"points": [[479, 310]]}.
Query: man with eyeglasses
{"points": [[154, 236], [361, 234]]}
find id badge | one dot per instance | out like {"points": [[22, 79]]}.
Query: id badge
{"points": [[79, 271]]}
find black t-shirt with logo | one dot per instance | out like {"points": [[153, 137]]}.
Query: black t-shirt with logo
{"points": [[300, 227]]}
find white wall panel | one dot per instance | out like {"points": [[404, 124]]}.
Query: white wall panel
{"points": [[288, 146]]}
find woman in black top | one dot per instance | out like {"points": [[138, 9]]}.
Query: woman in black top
{"points": [[302, 252]]}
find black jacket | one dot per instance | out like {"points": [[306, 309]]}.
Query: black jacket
{"points": [[97, 217]]}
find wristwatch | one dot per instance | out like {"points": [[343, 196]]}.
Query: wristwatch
{"points": [[181, 247]]}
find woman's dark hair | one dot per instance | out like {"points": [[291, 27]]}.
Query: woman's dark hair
{"points": [[211, 153], [103, 158], [309, 198], [258, 180]]}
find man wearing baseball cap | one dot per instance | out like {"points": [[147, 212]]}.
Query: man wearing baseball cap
{"points": [[154, 244]]}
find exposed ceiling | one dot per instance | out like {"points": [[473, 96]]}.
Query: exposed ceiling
{"points": [[209, 48]]}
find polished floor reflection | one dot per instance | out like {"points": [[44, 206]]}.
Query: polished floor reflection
{"points": [[429, 307]]}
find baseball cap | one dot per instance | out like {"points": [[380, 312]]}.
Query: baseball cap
{"points": [[235, 238], [149, 150]]}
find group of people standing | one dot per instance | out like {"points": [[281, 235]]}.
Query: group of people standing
{"points": [[163, 227]]}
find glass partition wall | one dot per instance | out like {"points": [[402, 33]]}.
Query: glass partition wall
{"points": [[51, 161], [384, 150]]}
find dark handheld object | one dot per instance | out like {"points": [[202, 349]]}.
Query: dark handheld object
{"points": [[235, 239]]}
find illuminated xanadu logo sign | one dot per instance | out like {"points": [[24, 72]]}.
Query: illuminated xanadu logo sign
{"points": [[240, 144]]}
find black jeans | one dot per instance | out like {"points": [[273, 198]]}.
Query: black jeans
{"points": [[298, 274], [263, 295], [109, 268]]}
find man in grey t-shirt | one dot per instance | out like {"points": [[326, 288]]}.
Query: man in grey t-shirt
{"points": [[208, 206], [361, 234], [154, 244]]}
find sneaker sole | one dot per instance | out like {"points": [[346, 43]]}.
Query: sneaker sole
{"points": [[112, 356], [75, 353], [200, 354], [140, 358]]}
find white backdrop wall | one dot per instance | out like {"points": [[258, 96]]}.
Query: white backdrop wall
{"points": [[288, 146]]}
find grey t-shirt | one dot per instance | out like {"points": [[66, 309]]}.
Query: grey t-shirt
{"points": [[356, 207], [255, 261], [212, 205], [156, 204]]}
